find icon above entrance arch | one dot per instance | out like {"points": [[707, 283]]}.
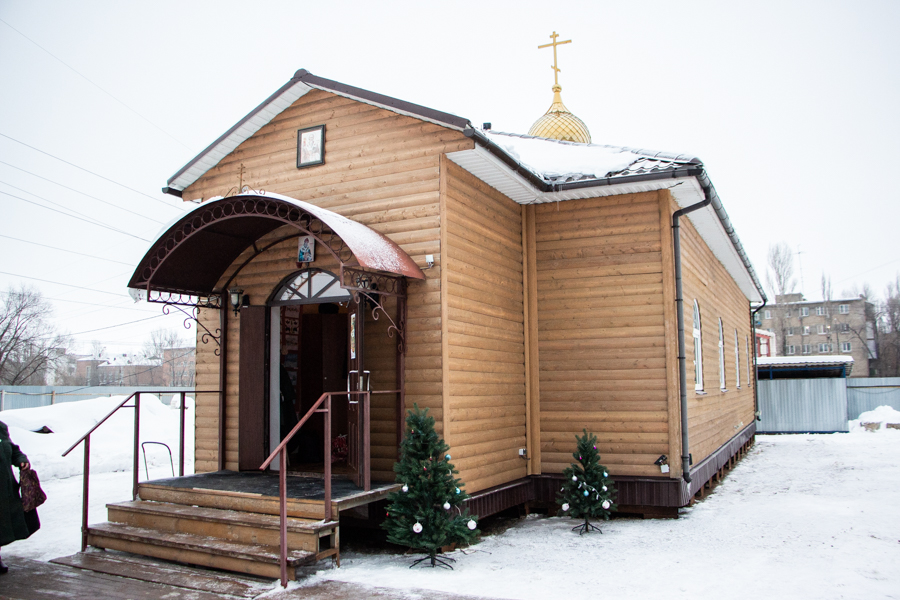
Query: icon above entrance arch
{"points": [[310, 286]]}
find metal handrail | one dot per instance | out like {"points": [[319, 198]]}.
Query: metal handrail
{"points": [[86, 438], [282, 463]]}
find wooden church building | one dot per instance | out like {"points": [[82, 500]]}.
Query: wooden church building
{"points": [[521, 287]]}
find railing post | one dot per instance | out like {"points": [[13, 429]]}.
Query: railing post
{"points": [[328, 458], [181, 438], [52, 397], [282, 493], [84, 493], [367, 445], [137, 428]]}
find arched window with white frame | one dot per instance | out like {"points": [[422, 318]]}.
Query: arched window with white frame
{"points": [[737, 360], [698, 350], [721, 355]]}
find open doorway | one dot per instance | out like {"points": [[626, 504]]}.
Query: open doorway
{"points": [[310, 349]]}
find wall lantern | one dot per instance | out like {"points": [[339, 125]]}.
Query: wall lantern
{"points": [[236, 295]]}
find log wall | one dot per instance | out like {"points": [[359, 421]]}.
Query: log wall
{"points": [[714, 415], [601, 333], [382, 170], [484, 331]]}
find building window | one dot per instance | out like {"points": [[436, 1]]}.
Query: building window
{"points": [[747, 354], [824, 348], [790, 349], [820, 328], [698, 350], [821, 311], [721, 356], [844, 309], [790, 331], [806, 330], [768, 314], [845, 327], [787, 313], [737, 360], [804, 311], [845, 347], [806, 349]]}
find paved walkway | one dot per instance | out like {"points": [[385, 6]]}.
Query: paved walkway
{"points": [[34, 580]]}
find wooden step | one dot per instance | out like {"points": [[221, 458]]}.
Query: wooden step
{"points": [[250, 528], [239, 501], [166, 573], [193, 549]]}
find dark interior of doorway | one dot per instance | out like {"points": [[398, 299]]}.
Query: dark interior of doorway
{"points": [[314, 358]]}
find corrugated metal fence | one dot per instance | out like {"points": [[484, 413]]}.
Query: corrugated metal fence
{"points": [[866, 393], [30, 396], [802, 405], [821, 405]]}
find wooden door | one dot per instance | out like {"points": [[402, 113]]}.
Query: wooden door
{"points": [[252, 374]]}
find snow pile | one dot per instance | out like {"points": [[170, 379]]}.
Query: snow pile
{"points": [[111, 461], [883, 418], [111, 444]]}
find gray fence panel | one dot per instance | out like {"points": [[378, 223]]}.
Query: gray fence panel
{"points": [[802, 405], [865, 394], [31, 396]]}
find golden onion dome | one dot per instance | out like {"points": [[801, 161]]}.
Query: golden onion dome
{"points": [[558, 123]]}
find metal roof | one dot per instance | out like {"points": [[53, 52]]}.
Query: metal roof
{"points": [[683, 175]]}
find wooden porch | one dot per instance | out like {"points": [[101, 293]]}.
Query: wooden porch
{"points": [[230, 520]]}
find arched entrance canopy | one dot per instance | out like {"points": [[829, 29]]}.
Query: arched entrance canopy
{"points": [[190, 256]]}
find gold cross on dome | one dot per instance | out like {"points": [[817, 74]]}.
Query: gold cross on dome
{"points": [[554, 43]]}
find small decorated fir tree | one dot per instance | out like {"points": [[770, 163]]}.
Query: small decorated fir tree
{"points": [[427, 513], [587, 489]]}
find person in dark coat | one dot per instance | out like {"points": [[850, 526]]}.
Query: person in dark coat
{"points": [[12, 515]]}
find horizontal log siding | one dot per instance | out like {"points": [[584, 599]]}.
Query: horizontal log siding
{"points": [[381, 169], [601, 336], [206, 416], [485, 331], [714, 416]]}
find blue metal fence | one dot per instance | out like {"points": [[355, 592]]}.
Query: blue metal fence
{"points": [[802, 405], [31, 396]]}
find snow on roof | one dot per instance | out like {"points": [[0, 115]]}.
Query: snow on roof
{"points": [[803, 361], [559, 161]]}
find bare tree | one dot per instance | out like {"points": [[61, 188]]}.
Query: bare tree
{"points": [[889, 334], [780, 269], [29, 344], [780, 279], [168, 353]]}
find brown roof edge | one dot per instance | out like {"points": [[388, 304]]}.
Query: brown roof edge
{"points": [[304, 76], [373, 97]]}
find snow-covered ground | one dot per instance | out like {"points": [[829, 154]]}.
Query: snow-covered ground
{"points": [[111, 461], [802, 516]]}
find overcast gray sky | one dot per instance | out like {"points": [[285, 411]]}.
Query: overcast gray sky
{"points": [[792, 106]]}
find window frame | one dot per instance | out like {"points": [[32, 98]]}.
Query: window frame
{"points": [[697, 332], [722, 378], [737, 359]]}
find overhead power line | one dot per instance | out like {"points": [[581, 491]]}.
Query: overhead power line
{"points": [[89, 172], [80, 192], [86, 220], [60, 283], [74, 70], [9, 237]]}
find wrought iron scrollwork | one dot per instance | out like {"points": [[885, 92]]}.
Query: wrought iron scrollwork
{"points": [[191, 310], [373, 300]]}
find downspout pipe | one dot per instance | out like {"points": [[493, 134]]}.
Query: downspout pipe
{"points": [[682, 359], [755, 368]]}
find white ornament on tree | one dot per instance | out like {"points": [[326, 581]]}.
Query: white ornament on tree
{"points": [[471, 525], [417, 528], [574, 477], [405, 488], [605, 505], [565, 507], [446, 506], [604, 488]]}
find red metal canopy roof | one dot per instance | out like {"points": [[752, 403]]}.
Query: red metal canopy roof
{"points": [[191, 255]]}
